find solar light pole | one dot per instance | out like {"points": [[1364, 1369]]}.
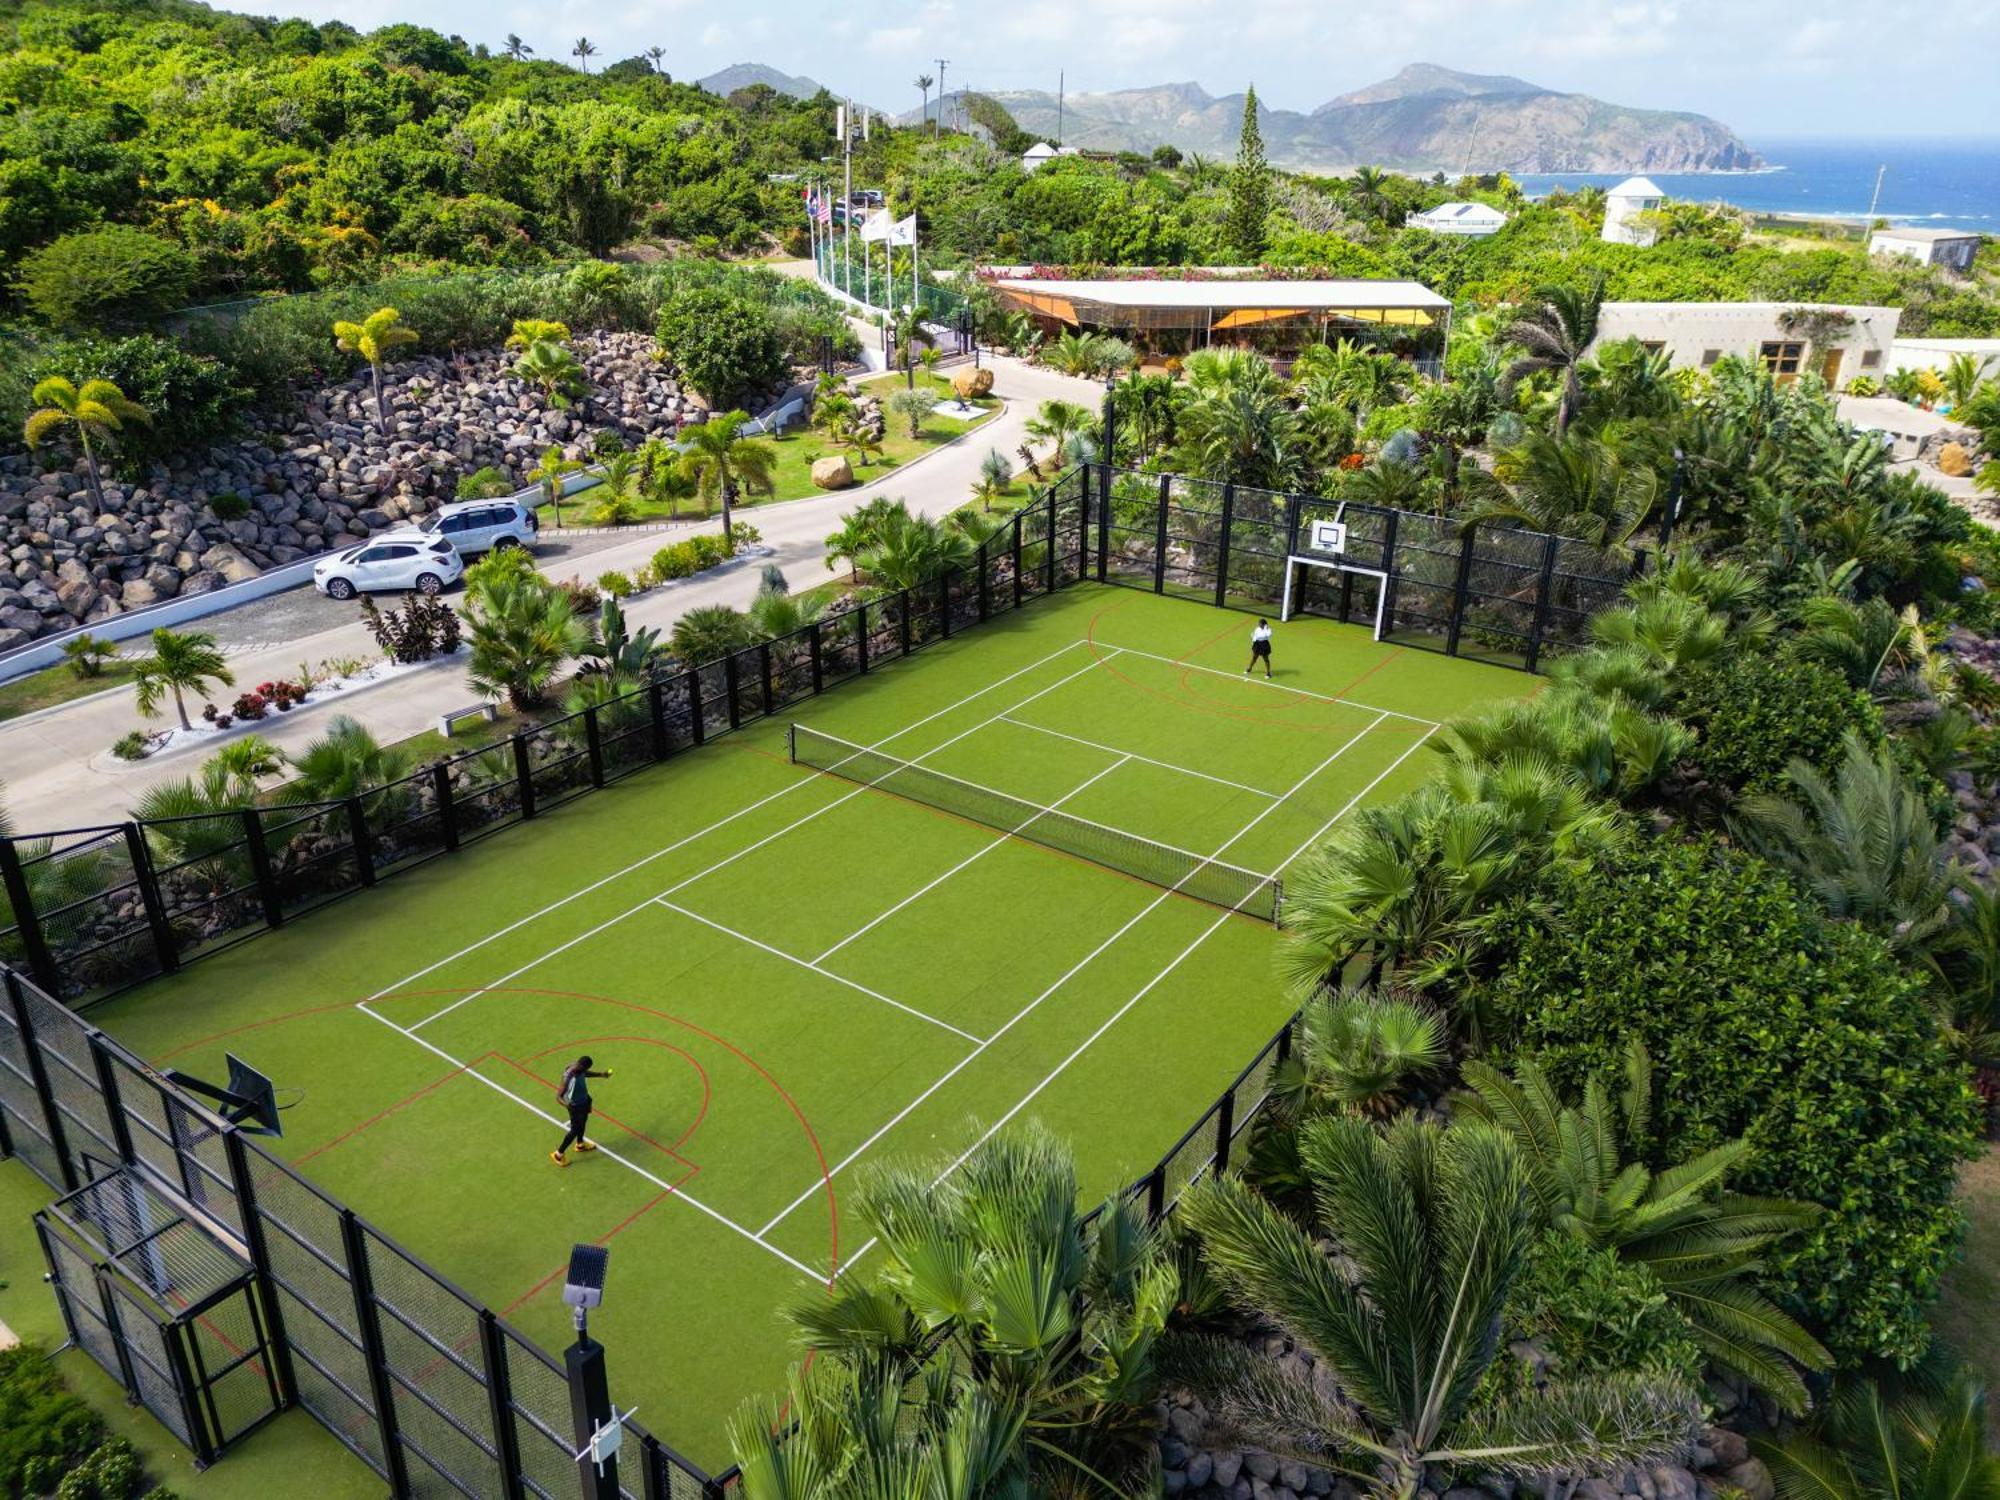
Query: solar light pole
{"points": [[591, 1414]]}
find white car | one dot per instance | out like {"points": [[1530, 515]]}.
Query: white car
{"points": [[397, 560], [480, 525]]}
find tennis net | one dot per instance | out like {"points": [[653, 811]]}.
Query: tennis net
{"points": [[1178, 870]]}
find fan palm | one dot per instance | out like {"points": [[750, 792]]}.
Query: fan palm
{"points": [[1702, 1245], [1056, 422], [1607, 742], [1432, 1226], [1350, 375], [1924, 1446], [1670, 632], [775, 614], [906, 550], [990, 1270], [346, 763], [1862, 842], [373, 338], [97, 411], [181, 662], [1552, 338], [723, 464], [521, 633], [708, 633], [196, 823], [995, 474], [550, 366]]}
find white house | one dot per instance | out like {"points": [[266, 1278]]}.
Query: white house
{"points": [[1780, 336], [1473, 220], [1951, 248], [1622, 207], [1935, 354], [1037, 155]]}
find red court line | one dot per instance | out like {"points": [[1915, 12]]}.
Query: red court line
{"points": [[637, 1135], [382, 1115], [604, 1239], [645, 1041]]}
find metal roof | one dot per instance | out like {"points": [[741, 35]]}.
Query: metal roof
{"points": [[1925, 236], [1313, 296], [1636, 187]]}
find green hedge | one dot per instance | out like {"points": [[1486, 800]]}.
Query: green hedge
{"points": [[1764, 1019], [1756, 710]]}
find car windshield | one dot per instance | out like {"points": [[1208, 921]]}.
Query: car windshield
{"points": [[429, 523]]}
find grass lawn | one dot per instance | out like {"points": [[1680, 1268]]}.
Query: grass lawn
{"points": [[58, 684], [1969, 1313], [792, 476], [795, 976], [468, 734]]}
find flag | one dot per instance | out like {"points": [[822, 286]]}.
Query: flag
{"points": [[876, 226], [823, 208], [903, 231]]}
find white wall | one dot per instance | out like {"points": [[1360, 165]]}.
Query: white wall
{"points": [[1691, 330], [1935, 354], [1619, 228], [1957, 254]]}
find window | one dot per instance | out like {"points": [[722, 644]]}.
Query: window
{"points": [[1871, 359], [452, 525], [1781, 356], [389, 554], [1709, 357], [1652, 346]]}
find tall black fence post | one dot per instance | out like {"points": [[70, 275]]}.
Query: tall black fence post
{"points": [[764, 677], [381, 1388], [691, 681], [903, 619], [28, 921], [1551, 545], [1049, 562], [155, 904], [656, 716], [1222, 551], [1017, 558], [944, 602], [260, 868], [364, 841], [499, 1402], [447, 804], [200, 1438], [861, 636], [1461, 587], [38, 1074], [1160, 536], [524, 775], [238, 1156], [729, 678], [816, 652], [1225, 1131], [985, 581], [114, 1104], [1389, 573], [593, 745]]}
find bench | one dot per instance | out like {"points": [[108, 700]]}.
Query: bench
{"points": [[487, 712]]}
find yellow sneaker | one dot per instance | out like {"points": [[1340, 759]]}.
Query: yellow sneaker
{"points": [[586, 1145], [558, 1158]]}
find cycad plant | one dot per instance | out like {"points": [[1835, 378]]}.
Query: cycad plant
{"points": [[1430, 1226], [1702, 1244], [1867, 1445], [709, 632], [990, 1275], [1862, 841], [1862, 642]]}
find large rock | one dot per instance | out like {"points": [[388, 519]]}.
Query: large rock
{"points": [[833, 472], [970, 382], [1953, 461], [1753, 1479]]}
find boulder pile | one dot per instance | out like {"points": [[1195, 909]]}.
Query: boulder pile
{"points": [[325, 475]]}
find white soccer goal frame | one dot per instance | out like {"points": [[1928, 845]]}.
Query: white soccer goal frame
{"points": [[1333, 565]]}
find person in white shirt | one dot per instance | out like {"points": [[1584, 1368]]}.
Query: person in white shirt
{"points": [[1260, 648]]}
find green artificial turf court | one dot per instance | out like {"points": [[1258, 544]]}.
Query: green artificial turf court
{"points": [[794, 975]]}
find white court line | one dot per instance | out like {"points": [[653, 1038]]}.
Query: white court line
{"points": [[1145, 990], [681, 1193], [730, 859], [813, 965], [1283, 687], [407, 980], [1076, 969], [1164, 765], [970, 859]]}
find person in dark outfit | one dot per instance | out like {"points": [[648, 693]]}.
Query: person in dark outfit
{"points": [[574, 1091], [1260, 648]]}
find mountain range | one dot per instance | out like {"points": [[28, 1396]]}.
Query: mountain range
{"points": [[1425, 119]]}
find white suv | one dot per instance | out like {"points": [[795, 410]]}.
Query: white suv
{"points": [[479, 525], [396, 560]]}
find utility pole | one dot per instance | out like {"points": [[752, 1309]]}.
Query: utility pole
{"points": [[942, 96], [1061, 79], [1876, 197]]}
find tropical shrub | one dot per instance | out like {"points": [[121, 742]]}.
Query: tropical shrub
{"points": [[421, 629], [616, 584], [1756, 711], [1596, 1313], [697, 554], [44, 1430], [201, 396], [725, 345], [1768, 1021], [114, 277]]}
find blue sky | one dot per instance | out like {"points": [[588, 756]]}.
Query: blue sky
{"points": [[1833, 68]]}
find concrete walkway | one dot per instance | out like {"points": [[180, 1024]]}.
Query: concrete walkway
{"points": [[58, 772]]}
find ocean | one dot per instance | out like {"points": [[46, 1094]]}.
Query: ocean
{"points": [[1933, 184]]}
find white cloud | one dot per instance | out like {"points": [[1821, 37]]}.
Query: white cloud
{"points": [[894, 38]]}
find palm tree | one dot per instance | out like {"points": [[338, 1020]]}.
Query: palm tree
{"points": [[550, 365], [348, 762], [908, 330], [583, 52], [551, 473], [1575, 487], [1552, 336], [521, 632], [907, 550], [1145, 408], [372, 338], [995, 474], [1431, 1226], [1703, 1246], [196, 822], [991, 1272], [1240, 433], [776, 613], [656, 56], [723, 463], [709, 632], [924, 82], [97, 411], [1352, 375], [1926, 1446], [517, 49], [1961, 379], [1056, 422], [1863, 842], [1072, 354], [619, 652], [1367, 191], [1862, 642], [529, 331], [618, 499], [182, 661]]}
